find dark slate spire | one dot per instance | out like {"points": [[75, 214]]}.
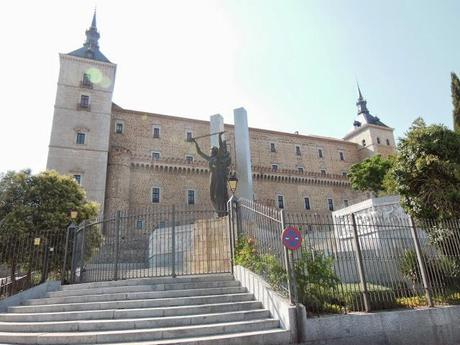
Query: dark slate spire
{"points": [[364, 116], [90, 49], [93, 23], [361, 103]]}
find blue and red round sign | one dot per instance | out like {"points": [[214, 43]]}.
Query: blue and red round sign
{"points": [[291, 237]]}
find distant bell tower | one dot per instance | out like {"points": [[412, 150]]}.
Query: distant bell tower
{"points": [[79, 141], [371, 134]]}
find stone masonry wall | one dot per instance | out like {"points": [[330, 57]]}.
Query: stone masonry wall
{"points": [[174, 176]]}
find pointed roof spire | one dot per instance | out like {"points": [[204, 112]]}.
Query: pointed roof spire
{"points": [[90, 49], [93, 23], [364, 116], [360, 96]]}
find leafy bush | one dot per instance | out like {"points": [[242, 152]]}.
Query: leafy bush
{"points": [[441, 271], [266, 265], [316, 281]]}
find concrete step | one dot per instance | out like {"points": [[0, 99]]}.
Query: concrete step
{"points": [[266, 337], [130, 304], [103, 337], [136, 323], [132, 313], [136, 295], [145, 288], [149, 281]]}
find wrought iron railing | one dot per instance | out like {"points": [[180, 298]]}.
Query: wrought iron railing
{"points": [[29, 259], [353, 262], [158, 241]]}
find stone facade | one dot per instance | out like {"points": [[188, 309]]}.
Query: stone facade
{"points": [[127, 153]]}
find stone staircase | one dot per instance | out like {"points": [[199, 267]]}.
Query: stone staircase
{"points": [[198, 310]]}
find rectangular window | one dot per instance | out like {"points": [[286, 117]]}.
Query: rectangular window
{"points": [[323, 172], [320, 153], [272, 147], [155, 155], [155, 195], [191, 197], [342, 157], [274, 167], [344, 173], [156, 132], [119, 128], [378, 140], [84, 101], [388, 142], [330, 204], [189, 136], [139, 224], [345, 203], [280, 200], [300, 170], [189, 159], [81, 138], [297, 151], [86, 82], [306, 202], [77, 178]]}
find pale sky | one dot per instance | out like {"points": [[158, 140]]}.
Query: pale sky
{"points": [[292, 64]]}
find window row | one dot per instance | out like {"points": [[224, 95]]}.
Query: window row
{"points": [[281, 204], [298, 151], [156, 131], [156, 155], [363, 142], [275, 168], [190, 197]]}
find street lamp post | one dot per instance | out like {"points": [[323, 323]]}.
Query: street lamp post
{"points": [[232, 183]]}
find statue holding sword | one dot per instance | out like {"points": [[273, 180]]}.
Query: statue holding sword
{"points": [[219, 162]]}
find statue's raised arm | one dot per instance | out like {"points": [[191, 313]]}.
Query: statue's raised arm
{"points": [[201, 153]]}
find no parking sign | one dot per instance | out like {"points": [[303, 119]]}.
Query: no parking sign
{"points": [[291, 237]]}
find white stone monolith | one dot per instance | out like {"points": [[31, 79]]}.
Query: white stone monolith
{"points": [[243, 154], [216, 125]]}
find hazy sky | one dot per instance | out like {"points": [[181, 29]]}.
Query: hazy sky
{"points": [[291, 64]]}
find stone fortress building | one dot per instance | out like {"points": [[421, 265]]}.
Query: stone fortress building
{"points": [[129, 159]]}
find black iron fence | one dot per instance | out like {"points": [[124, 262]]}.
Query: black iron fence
{"points": [[256, 233], [29, 259], [155, 242], [353, 262]]}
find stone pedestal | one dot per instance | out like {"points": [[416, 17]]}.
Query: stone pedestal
{"points": [[200, 247], [211, 249]]}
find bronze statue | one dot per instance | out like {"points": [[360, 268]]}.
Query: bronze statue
{"points": [[219, 163]]}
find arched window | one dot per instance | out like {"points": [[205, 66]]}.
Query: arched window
{"points": [[364, 142]]}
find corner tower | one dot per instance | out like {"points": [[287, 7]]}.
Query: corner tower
{"points": [[371, 134], [80, 133]]}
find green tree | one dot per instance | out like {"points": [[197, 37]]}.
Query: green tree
{"points": [[427, 171], [370, 174], [455, 88], [38, 204]]}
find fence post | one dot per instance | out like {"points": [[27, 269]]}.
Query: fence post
{"points": [[82, 252], [73, 266], [239, 220], [359, 261], [421, 263], [230, 205], [117, 244], [44, 276], [287, 263], [66, 251], [173, 242]]}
